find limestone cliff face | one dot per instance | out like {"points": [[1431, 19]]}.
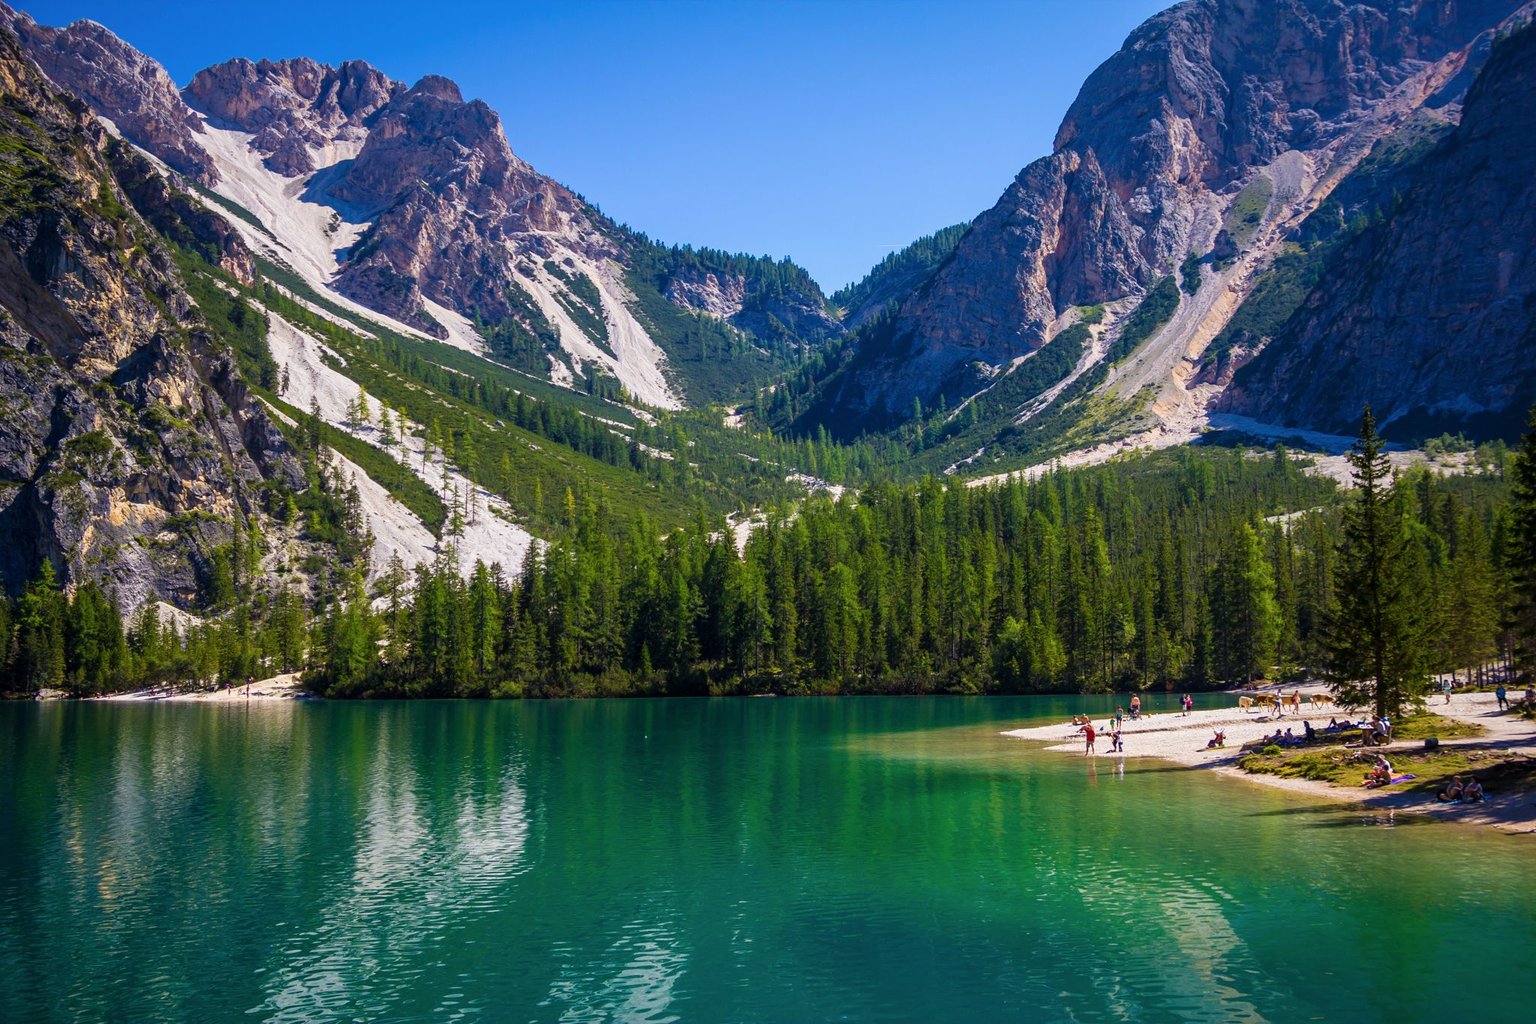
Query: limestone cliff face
{"points": [[1430, 317], [1160, 136], [294, 108], [453, 207], [127, 442], [112, 76]]}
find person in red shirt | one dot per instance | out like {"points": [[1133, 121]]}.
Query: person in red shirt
{"points": [[1088, 735]]}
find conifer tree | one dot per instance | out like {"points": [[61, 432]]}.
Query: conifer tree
{"points": [[40, 633], [1373, 644], [1521, 554]]}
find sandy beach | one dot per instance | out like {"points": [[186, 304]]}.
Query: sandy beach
{"points": [[1182, 739], [278, 688]]}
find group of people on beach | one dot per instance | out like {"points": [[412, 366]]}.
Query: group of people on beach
{"points": [[1090, 736], [1458, 792], [1084, 725]]}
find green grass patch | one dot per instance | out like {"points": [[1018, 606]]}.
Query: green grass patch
{"points": [[1146, 320], [1429, 724], [1247, 211]]}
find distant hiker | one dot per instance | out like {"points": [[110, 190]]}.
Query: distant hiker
{"points": [[1503, 697]]}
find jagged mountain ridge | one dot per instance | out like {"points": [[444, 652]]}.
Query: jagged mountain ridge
{"points": [[1210, 135], [1434, 322], [411, 203]]}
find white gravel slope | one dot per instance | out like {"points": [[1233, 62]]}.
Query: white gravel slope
{"points": [[488, 534]]}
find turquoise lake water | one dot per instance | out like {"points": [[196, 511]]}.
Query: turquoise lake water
{"points": [[861, 859]]}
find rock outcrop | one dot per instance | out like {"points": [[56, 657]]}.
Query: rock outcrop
{"points": [[1430, 316], [295, 108], [1155, 147], [129, 446], [452, 207], [753, 305], [115, 79]]}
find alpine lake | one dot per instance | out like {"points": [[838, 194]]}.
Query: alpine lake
{"points": [[852, 859]]}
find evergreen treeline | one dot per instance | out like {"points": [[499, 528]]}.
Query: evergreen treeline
{"points": [[1168, 570], [901, 271]]}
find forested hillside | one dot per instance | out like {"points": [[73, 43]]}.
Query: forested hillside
{"points": [[1178, 570], [896, 276]]}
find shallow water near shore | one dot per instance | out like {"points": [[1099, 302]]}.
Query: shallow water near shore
{"points": [[850, 859]]}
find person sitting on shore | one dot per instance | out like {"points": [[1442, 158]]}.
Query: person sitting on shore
{"points": [[1289, 739], [1380, 775], [1311, 732], [1219, 740], [1472, 792], [1452, 792], [1135, 706]]}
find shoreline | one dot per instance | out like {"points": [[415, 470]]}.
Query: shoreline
{"points": [[283, 687], [1179, 739]]}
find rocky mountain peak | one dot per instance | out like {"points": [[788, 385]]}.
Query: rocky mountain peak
{"points": [[447, 194], [430, 135], [296, 108], [1147, 160], [90, 61], [438, 87]]}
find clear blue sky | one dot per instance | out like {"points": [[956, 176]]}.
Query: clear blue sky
{"points": [[828, 132]]}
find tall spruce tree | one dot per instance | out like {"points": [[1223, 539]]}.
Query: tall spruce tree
{"points": [[1521, 554], [1373, 644]]}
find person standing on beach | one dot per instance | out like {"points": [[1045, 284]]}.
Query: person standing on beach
{"points": [[1088, 735]]}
